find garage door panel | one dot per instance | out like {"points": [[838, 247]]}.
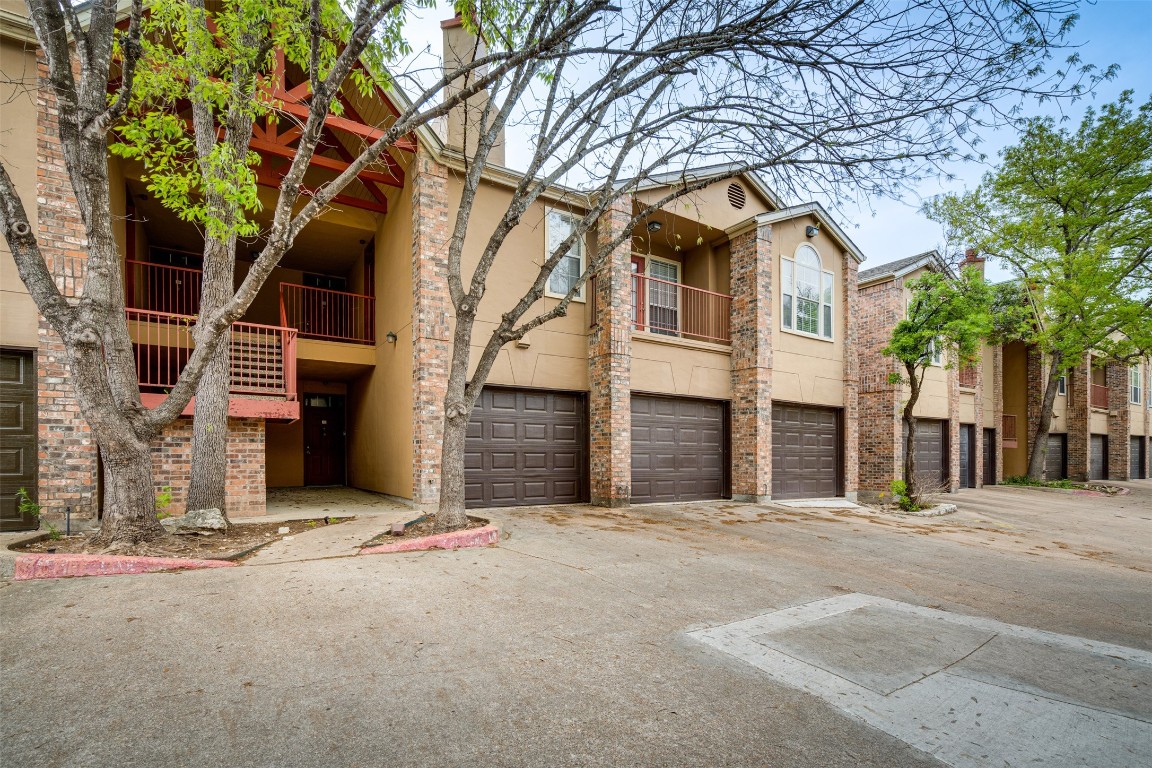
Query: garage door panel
{"points": [[526, 447], [1098, 457], [1056, 461], [929, 447], [805, 451], [678, 449], [19, 465]]}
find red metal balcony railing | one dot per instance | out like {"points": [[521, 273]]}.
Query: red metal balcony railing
{"points": [[162, 288], [968, 376], [1099, 395], [675, 309], [1008, 422], [321, 313], [263, 357]]}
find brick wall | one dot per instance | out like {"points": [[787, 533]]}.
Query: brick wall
{"points": [[997, 385], [878, 309], [172, 463], [1079, 376], [67, 451], [751, 317], [952, 381], [610, 366], [431, 343], [1119, 419]]}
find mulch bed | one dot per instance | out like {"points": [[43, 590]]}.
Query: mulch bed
{"points": [[238, 541], [421, 526]]}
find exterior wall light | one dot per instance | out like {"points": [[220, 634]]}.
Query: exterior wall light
{"points": [[655, 226], [812, 231], [390, 337]]}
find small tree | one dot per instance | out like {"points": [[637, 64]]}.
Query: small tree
{"points": [[1070, 214], [946, 322]]}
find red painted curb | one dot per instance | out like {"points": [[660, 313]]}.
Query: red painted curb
{"points": [[43, 566], [474, 537]]}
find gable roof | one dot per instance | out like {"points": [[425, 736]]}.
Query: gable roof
{"points": [[894, 269], [703, 173], [813, 209]]}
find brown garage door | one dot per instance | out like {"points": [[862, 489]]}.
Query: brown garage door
{"points": [[18, 460], [989, 456], [679, 449], [526, 447], [1056, 462], [1098, 458], [805, 452], [1138, 459], [931, 454], [967, 456]]}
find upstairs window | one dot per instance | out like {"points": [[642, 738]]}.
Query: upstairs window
{"points": [[1134, 381], [806, 294], [1062, 385], [936, 353], [559, 226]]}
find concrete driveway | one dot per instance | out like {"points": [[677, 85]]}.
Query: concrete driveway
{"points": [[707, 634]]}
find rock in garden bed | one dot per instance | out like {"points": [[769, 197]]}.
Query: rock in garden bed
{"points": [[234, 543]]}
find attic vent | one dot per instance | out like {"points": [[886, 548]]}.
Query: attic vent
{"points": [[736, 195]]}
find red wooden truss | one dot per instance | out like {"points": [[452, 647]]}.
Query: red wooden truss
{"points": [[275, 138]]}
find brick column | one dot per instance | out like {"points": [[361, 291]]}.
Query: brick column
{"points": [[431, 340], [610, 365], [244, 478], [880, 448], [1146, 406], [851, 379], [68, 453], [997, 385], [1079, 450], [978, 420], [751, 317], [1119, 420], [952, 380]]}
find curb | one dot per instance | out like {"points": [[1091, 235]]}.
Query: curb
{"points": [[1075, 491], [934, 511], [43, 566], [474, 537]]}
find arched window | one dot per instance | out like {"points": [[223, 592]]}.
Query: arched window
{"points": [[806, 292]]}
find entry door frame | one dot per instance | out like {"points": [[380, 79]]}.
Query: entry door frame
{"points": [[309, 412], [21, 440]]}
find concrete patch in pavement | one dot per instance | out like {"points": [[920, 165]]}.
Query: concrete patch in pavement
{"points": [[969, 691]]}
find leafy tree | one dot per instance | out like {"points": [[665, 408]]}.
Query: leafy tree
{"points": [[1070, 214], [947, 320]]}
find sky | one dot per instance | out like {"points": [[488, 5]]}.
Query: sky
{"points": [[1109, 32]]}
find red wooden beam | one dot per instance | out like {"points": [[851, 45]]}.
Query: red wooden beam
{"points": [[278, 150]]}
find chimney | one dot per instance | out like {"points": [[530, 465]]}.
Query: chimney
{"points": [[461, 47], [972, 260]]}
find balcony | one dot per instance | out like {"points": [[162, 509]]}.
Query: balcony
{"points": [[1008, 425], [968, 377], [1098, 396], [263, 362], [321, 313], [673, 309]]}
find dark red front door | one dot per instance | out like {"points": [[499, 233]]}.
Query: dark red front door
{"points": [[324, 440]]}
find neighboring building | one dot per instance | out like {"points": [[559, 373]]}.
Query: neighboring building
{"points": [[958, 440], [1100, 420], [714, 357]]}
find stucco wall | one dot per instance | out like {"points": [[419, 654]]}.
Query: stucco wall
{"points": [[18, 316], [806, 369]]}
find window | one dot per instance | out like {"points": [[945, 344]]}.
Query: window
{"points": [[1062, 385], [664, 297], [1134, 380], [559, 226], [806, 294], [936, 353]]}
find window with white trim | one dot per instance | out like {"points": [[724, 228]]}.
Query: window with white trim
{"points": [[807, 291], [1062, 385], [558, 227], [1134, 381], [935, 353]]}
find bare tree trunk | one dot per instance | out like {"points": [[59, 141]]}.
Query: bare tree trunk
{"points": [[208, 481], [458, 403], [1038, 450], [129, 500], [913, 488]]}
